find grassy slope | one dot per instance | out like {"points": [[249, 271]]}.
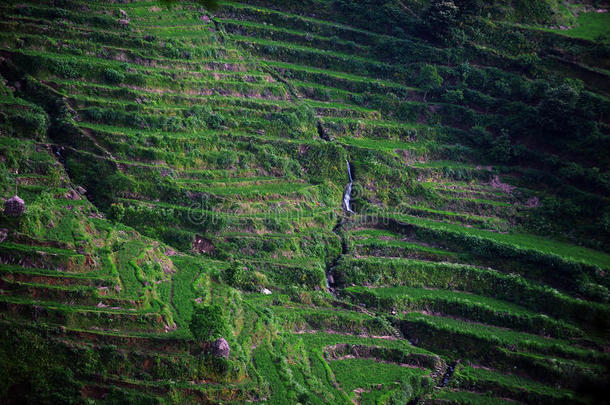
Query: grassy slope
{"points": [[269, 86]]}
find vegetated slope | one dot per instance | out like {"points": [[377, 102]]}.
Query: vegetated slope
{"points": [[212, 150]]}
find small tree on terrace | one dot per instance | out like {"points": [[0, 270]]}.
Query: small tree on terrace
{"points": [[208, 323], [429, 79], [440, 19]]}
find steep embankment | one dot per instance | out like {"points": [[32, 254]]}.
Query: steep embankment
{"points": [[213, 149]]}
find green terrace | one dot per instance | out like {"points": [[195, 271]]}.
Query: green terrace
{"points": [[81, 295], [50, 257], [27, 30], [226, 103], [74, 66], [413, 322], [467, 397], [75, 48], [176, 139], [377, 242], [356, 83], [146, 216], [248, 13], [212, 145], [352, 374], [245, 15], [321, 340], [386, 272], [417, 148], [474, 307], [158, 94], [484, 380], [565, 251], [82, 317], [248, 28], [465, 218], [55, 276]]}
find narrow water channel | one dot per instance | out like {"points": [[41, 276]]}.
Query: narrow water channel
{"points": [[347, 196]]}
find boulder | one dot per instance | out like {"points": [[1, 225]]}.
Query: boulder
{"points": [[14, 206], [220, 348], [202, 245], [72, 195]]}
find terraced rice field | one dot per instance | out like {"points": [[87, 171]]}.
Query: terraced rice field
{"points": [[191, 159]]}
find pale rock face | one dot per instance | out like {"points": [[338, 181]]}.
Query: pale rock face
{"points": [[14, 206], [266, 291], [220, 348]]}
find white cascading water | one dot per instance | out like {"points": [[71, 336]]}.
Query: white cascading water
{"points": [[348, 191]]}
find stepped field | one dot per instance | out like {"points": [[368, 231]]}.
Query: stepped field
{"points": [[321, 201]]}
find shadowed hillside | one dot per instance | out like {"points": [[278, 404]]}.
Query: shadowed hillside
{"points": [[320, 201]]}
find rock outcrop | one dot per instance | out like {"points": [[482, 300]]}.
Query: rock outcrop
{"points": [[14, 206], [220, 348]]}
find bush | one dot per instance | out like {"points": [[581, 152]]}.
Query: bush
{"points": [[215, 120], [113, 76], [117, 212], [453, 96], [208, 323], [64, 69]]}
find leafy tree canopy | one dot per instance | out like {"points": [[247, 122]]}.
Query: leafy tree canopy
{"points": [[208, 323], [429, 79]]}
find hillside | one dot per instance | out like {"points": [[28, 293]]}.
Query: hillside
{"points": [[371, 204]]}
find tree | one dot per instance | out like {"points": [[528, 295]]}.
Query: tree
{"points": [[441, 18], [558, 109], [208, 323], [468, 8], [429, 79]]}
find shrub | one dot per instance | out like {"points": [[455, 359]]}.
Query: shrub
{"points": [[239, 276], [64, 69], [173, 124], [113, 76], [429, 79], [117, 212], [215, 120], [208, 323], [453, 96]]}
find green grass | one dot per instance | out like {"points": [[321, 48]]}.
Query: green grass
{"points": [[590, 26], [257, 190], [522, 240], [420, 293], [471, 398], [364, 373], [505, 337], [471, 376], [321, 339], [407, 246], [384, 144], [260, 162]]}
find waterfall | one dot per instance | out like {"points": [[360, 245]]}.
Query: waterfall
{"points": [[348, 191], [347, 196]]}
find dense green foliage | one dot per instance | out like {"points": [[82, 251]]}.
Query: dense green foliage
{"points": [[184, 166]]}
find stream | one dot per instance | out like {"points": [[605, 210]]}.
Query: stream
{"points": [[347, 196]]}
